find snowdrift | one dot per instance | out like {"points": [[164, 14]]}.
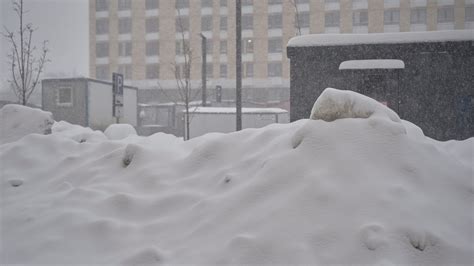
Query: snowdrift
{"points": [[17, 121], [369, 189]]}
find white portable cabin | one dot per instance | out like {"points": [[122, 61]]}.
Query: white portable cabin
{"points": [[87, 102]]}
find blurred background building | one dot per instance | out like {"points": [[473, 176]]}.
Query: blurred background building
{"points": [[143, 39]]}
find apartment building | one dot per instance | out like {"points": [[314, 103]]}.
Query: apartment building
{"points": [[145, 39]]}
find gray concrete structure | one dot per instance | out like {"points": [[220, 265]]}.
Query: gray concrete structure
{"points": [[434, 90]]}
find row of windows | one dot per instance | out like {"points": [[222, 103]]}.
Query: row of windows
{"points": [[392, 16], [274, 69], [103, 5], [332, 19], [152, 48]]}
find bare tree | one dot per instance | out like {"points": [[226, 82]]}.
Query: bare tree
{"points": [[182, 74], [26, 68], [294, 3]]}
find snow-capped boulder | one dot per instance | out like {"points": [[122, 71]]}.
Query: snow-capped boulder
{"points": [[119, 131], [18, 121], [335, 104]]}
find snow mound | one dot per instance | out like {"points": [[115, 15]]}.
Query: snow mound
{"points": [[335, 104], [17, 121], [352, 191], [119, 131], [77, 133]]}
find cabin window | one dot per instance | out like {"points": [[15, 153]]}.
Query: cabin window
{"points": [[64, 96]]}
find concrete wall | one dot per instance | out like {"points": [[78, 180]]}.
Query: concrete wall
{"points": [[435, 88], [75, 113]]}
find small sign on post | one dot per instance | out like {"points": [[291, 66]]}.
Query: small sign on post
{"points": [[117, 88]]}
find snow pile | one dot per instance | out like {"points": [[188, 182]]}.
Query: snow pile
{"points": [[365, 190], [77, 133], [119, 131], [335, 104], [17, 121]]}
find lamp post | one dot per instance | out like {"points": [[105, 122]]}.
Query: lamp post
{"points": [[238, 87], [204, 69]]}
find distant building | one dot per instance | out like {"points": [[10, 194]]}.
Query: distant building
{"points": [[140, 38], [426, 77], [87, 102]]}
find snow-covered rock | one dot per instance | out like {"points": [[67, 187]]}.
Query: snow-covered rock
{"points": [[119, 131], [17, 121], [350, 191], [335, 104]]}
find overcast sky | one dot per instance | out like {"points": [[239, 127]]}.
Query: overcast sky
{"points": [[64, 23]]}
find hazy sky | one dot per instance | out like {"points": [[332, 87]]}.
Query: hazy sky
{"points": [[64, 23]]}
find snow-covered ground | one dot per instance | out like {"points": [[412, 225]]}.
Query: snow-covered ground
{"points": [[355, 184]]}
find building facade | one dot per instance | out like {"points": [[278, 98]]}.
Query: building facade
{"points": [[146, 39]]}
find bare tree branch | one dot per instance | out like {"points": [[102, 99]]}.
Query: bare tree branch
{"points": [[26, 68]]}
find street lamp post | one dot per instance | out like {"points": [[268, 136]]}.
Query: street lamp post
{"points": [[204, 70], [238, 89]]}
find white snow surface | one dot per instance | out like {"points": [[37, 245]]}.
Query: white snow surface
{"points": [[372, 64], [364, 190], [335, 104], [380, 38], [232, 110], [119, 131], [17, 121]]}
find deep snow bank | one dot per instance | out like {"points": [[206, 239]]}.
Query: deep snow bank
{"points": [[17, 121], [360, 191]]}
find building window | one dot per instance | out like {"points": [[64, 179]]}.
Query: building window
{"points": [[445, 14], [248, 70], [274, 69], [331, 1], [153, 71], [101, 5], [152, 48], [418, 15], [223, 23], [102, 72], [247, 2], [223, 71], [360, 18], [223, 47], [391, 17], [152, 24], [206, 23], [274, 2], [102, 49], [64, 96], [125, 48], [182, 24], [247, 22], [209, 69], [126, 70], [303, 19], [102, 26], [152, 4], [125, 25], [469, 13], [206, 3], [223, 3], [182, 4], [303, 2], [275, 21], [247, 46], [124, 4], [331, 19], [181, 47], [209, 46], [275, 45]]}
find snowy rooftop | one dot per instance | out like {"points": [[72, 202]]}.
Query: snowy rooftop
{"points": [[372, 64], [231, 110], [378, 38]]}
